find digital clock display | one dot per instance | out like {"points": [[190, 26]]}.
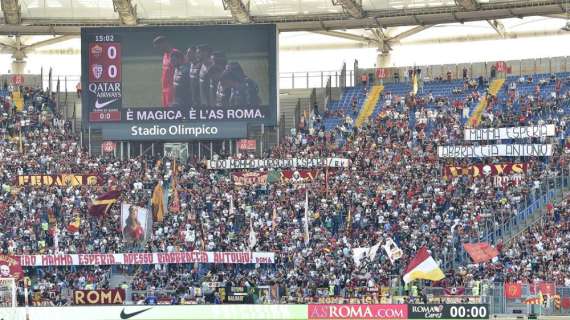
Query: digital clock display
{"points": [[468, 312], [104, 38]]}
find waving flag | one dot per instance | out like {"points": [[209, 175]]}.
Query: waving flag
{"points": [[157, 202], [307, 239], [415, 83], [480, 252], [513, 290], [274, 219], [394, 253], [103, 203], [175, 202], [539, 299], [423, 266], [252, 235], [74, 225]]}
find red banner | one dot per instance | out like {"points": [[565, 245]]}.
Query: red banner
{"points": [[17, 79], [501, 66], [246, 144], [565, 303], [548, 288], [480, 252], [358, 311], [380, 73], [513, 290], [108, 146], [102, 296], [10, 267], [483, 170], [506, 181], [146, 258], [454, 291], [62, 180], [249, 178]]}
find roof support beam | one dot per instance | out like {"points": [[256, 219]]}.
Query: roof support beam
{"points": [[334, 21], [498, 26], [346, 35], [12, 12], [43, 43], [239, 11], [127, 12], [383, 42], [408, 33], [557, 16], [353, 7]]}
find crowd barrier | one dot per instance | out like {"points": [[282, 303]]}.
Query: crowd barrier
{"points": [[291, 312]]}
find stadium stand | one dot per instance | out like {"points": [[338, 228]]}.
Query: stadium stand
{"points": [[437, 187], [393, 189]]}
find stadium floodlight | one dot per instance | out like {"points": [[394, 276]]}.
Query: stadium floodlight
{"points": [[12, 13], [239, 11], [351, 6]]}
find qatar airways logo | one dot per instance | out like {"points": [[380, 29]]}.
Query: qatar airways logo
{"points": [[358, 311]]}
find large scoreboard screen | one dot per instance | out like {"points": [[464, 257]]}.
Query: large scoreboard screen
{"points": [[179, 83]]}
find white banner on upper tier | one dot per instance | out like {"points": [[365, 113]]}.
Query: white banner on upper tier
{"points": [[278, 163], [146, 258], [545, 130], [495, 150]]}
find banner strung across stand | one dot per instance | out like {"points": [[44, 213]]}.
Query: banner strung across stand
{"points": [[495, 150], [99, 296], [479, 170], [61, 180], [147, 258], [274, 176], [277, 163], [545, 130], [249, 178]]}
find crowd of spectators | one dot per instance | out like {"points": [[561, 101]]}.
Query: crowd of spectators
{"points": [[393, 188]]}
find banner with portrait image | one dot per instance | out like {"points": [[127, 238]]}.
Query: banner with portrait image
{"points": [[298, 176], [136, 223], [10, 267]]}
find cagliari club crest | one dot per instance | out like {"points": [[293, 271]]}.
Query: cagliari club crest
{"points": [[97, 70]]}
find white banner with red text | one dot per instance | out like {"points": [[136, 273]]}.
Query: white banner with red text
{"points": [[147, 258]]}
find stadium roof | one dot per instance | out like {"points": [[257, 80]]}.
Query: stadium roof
{"points": [[66, 16]]}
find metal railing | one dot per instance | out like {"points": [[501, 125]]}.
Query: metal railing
{"points": [[531, 209], [548, 191], [316, 79], [500, 305]]}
